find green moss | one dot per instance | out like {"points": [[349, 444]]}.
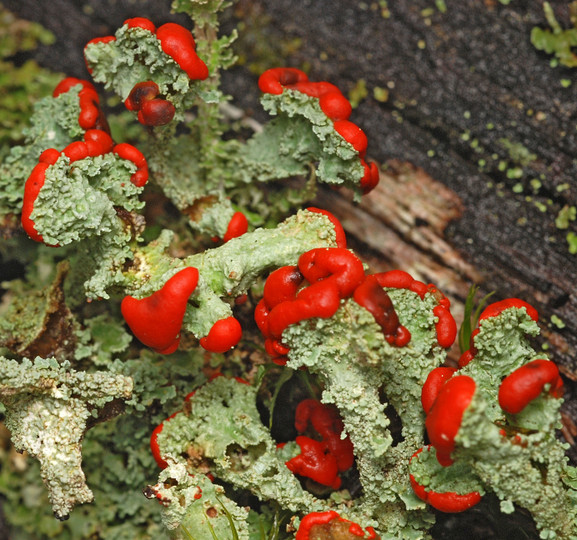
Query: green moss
{"points": [[22, 85], [517, 152], [572, 241], [555, 39], [380, 94], [558, 322], [566, 215], [358, 93]]}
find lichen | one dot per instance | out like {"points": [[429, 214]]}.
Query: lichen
{"points": [[47, 408], [100, 403], [517, 457], [54, 123]]}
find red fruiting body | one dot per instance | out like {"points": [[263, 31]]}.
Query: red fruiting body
{"points": [[527, 383], [156, 112], [152, 110], [398, 279], [401, 337], [371, 177], [90, 116], [241, 299], [276, 350], [319, 519], [32, 188], [312, 519], [374, 298], [66, 84], [335, 105], [140, 93], [155, 449], [237, 226], [445, 326], [261, 316], [314, 463], [271, 347], [444, 417], [436, 379], [282, 285], [395, 279], [326, 421], [96, 142], [273, 80], [156, 319], [419, 288], [89, 108], [353, 134], [154, 443], [223, 336], [449, 502], [178, 43], [340, 236], [50, 156], [131, 153], [76, 151], [141, 22], [334, 273], [466, 357], [496, 308], [336, 265]]}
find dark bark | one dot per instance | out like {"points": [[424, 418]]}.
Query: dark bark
{"points": [[467, 92]]}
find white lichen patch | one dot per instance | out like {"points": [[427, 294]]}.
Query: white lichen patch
{"points": [[47, 407]]}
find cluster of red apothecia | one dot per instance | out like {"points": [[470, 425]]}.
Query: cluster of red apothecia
{"points": [[178, 43], [97, 142], [324, 454], [156, 320], [330, 522], [333, 274], [446, 396], [444, 399], [152, 110], [332, 102]]}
